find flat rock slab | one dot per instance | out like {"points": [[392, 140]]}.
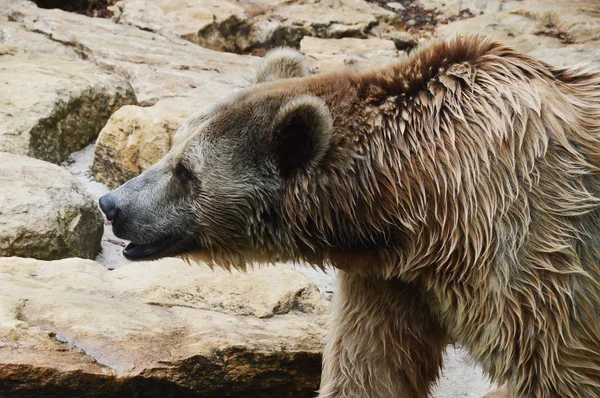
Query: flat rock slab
{"points": [[50, 107], [160, 329], [247, 26], [45, 212]]}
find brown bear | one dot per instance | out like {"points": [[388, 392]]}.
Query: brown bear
{"points": [[457, 191]]}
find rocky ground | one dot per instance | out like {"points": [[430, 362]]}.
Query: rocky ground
{"points": [[100, 89]]}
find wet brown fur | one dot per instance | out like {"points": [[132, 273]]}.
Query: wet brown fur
{"points": [[460, 199]]}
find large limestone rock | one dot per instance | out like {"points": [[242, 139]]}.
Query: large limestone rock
{"points": [[157, 67], [560, 33], [45, 212], [329, 55], [163, 71], [137, 137], [50, 107], [156, 329], [241, 27]]}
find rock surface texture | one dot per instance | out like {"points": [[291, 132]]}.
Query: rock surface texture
{"points": [[45, 212], [156, 329], [560, 33], [183, 75], [137, 137], [247, 26], [330, 55], [156, 66], [51, 107]]}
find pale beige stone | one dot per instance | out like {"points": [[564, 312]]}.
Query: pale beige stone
{"points": [[50, 107], [45, 212], [395, 5], [164, 326], [137, 137], [156, 66], [579, 20]]}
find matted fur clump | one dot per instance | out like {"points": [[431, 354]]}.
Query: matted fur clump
{"points": [[458, 193]]}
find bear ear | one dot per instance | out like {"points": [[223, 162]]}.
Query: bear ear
{"points": [[301, 134], [281, 63]]}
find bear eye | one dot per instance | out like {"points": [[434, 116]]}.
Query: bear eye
{"points": [[182, 173]]}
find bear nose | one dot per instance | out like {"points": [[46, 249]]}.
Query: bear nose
{"points": [[108, 205]]}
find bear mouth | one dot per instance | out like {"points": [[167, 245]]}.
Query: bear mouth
{"points": [[155, 250]]}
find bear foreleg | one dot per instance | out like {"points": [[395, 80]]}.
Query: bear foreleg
{"points": [[383, 341]]}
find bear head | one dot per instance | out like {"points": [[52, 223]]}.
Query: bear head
{"points": [[217, 194]]}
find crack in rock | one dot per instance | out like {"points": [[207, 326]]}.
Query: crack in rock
{"points": [[71, 346]]}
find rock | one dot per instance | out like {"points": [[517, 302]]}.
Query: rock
{"points": [[516, 30], [50, 107], [263, 293], [328, 55], [116, 10], [244, 27], [572, 21], [395, 6], [157, 67], [561, 34], [215, 24], [173, 69], [7, 50], [404, 41], [157, 329], [137, 137], [45, 212], [14, 35]]}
